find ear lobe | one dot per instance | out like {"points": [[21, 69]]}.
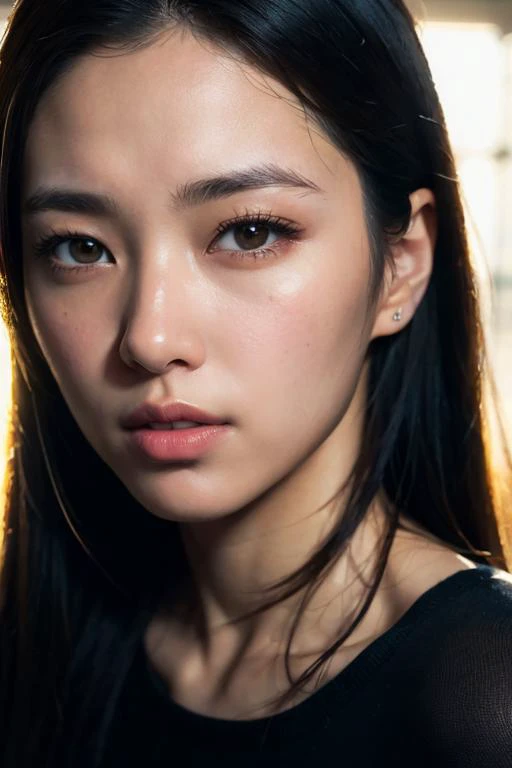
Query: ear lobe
{"points": [[409, 267]]}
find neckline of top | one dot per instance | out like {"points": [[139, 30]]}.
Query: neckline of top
{"points": [[339, 690]]}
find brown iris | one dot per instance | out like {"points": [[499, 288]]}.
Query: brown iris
{"points": [[85, 250], [249, 236]]}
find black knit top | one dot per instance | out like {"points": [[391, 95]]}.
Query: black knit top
{"points": [[434, 690]]}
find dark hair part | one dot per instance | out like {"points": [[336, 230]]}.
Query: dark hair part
{"points": [[74, 596]]}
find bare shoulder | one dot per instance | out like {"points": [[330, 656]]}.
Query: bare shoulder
{"points": [[418, 562]]}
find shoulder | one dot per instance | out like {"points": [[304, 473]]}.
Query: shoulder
{"points": [[461, 674], [417, 563], [464, 695], [420, 565]]}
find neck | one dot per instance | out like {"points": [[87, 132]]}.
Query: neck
{"points": [[234, 559], [233, 574]]}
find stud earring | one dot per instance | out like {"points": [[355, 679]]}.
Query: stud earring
{"points": [[397, 316]]}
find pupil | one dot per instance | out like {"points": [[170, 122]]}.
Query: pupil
{"points": [[252, 236]]}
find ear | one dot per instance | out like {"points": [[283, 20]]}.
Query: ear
{"points": [[409, 267]]}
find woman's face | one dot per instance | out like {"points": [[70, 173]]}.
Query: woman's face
{"points": [[165, 298]]}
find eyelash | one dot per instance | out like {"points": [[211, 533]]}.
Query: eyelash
{"points": [[286, 229]]}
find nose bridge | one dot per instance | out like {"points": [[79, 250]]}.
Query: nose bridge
{"points": [[160, 322]]}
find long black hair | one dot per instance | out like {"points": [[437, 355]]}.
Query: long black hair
{"points": [[83, 564]]}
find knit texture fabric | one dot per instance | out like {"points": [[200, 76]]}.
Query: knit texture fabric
{"points": [[433, 690]]}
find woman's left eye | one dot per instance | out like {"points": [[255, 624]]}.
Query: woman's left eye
{"points": [[253, 236]]}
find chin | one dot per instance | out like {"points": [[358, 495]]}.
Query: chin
{"points": [[203, 510]]}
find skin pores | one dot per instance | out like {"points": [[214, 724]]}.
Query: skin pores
{"points": [[274, 345]]}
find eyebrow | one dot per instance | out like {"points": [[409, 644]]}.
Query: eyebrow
{"points": [[186, 196]]}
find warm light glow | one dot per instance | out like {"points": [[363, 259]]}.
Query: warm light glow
{"points": [[467, 63], [5, 390], [468, 67], [472, 67], [5, 373]]}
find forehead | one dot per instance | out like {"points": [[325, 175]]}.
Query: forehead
{"points": [[173, 110]]}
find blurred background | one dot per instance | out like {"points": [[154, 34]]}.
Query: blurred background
{"points": [[469, 46]]}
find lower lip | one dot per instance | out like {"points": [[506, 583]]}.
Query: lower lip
{"points": [[177, 444]]}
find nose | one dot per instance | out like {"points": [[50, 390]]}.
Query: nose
{"points": [[161, 323]]}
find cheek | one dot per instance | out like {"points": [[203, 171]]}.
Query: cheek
{"points": [[70, 344], [304, 348]]}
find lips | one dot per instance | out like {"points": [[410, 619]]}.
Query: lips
{"points": [[174, 425], [156, 413], [175, 445]]}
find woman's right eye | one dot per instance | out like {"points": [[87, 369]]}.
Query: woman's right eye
{"points": [[75, 251], [85, 251]]}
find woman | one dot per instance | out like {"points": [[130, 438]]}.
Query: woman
{"points": [[239, 222]]}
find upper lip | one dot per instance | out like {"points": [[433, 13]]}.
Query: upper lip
{"points": [[166, 413]]}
